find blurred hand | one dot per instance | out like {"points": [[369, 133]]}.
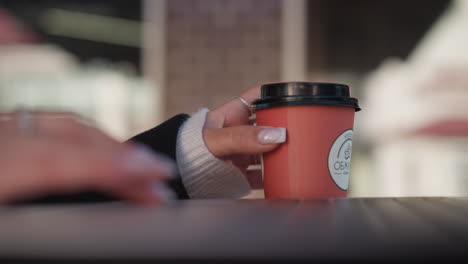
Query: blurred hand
{"points": [[229, 135], [60, 153]]}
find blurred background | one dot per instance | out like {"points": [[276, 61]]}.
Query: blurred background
{"points": [[130, 64]]}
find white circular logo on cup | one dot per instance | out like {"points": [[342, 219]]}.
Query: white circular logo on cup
{"points": [[339, 159]]}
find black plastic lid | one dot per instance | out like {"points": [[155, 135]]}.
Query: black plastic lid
{"points": [[304, 93]]}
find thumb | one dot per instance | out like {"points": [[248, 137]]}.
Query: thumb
{"points": [[227, 141]]}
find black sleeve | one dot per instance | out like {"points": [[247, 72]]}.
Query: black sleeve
{"points": [[161, 139]]}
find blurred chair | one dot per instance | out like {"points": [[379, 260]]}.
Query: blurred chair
{"points": [[416, 115], [48, 78]]}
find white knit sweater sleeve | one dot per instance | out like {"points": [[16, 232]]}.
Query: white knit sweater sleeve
{"points": [[204, 175]]}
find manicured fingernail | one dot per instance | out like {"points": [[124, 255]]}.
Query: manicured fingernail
{"points": [[272, 135], [163, 193], [142, 160]]}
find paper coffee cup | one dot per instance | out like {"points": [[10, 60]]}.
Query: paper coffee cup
{"points": [[314, 162]]}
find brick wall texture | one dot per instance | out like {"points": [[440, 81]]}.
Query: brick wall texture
{"points": [[218, 48]]}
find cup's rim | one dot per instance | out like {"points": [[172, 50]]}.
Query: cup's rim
{"points": [[269, 102]]}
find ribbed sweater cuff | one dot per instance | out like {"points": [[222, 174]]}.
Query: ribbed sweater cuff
{"points": [[204, 175]]}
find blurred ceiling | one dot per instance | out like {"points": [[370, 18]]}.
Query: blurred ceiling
{"points": [[357, 35], [342, 35], [87, 29]]}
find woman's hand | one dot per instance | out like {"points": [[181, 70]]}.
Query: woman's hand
{"points": [[60, 153], [229, 135]]}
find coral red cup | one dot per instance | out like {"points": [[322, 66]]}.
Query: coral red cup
{"points": [[314, 162]]}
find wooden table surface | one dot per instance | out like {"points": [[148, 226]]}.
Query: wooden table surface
{"points": [[345, 229]]}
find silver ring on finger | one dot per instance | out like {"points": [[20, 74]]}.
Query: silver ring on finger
{"points": [[249, 107], [26, 122]]}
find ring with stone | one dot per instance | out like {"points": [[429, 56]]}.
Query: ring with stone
{"points": [[249, 107]]}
